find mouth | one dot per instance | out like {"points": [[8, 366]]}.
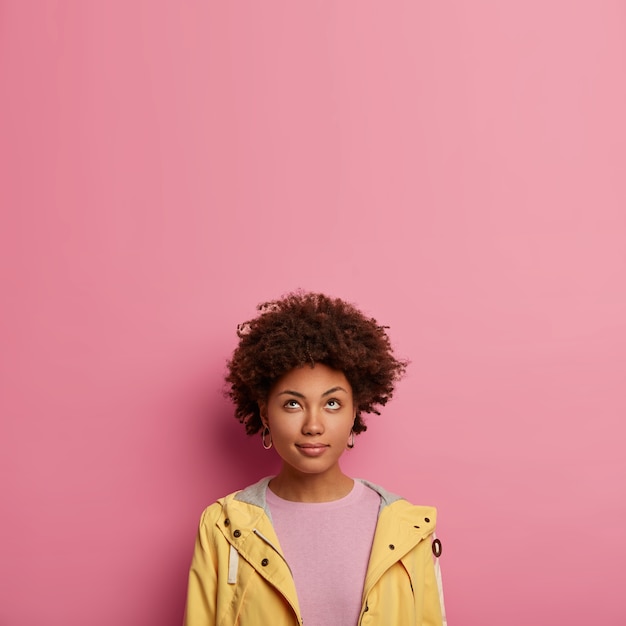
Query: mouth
{"points": [[312, 449]]}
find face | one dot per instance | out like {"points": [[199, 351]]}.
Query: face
{"points": [[310, 412]]}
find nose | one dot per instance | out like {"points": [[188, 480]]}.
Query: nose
{"points": [[313, 423]]}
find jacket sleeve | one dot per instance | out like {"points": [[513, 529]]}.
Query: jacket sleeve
{"points": [[200, 609], [433, 611]]}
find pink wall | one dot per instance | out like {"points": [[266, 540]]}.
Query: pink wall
{"points": [[455, 168]]}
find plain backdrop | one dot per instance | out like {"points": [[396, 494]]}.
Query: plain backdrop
{"points": [[456, 169]]}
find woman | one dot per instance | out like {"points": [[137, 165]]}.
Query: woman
{"points": [[312, 545]]}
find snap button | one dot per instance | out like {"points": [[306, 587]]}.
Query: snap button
{"points": [[437, 548], [226, 522], [391, 546], [264, 562], [237, 533], [427, 519]]}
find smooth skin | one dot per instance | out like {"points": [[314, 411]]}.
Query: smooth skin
{"points": [[310, 412]]}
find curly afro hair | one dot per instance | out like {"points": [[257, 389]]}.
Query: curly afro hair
{"points": [[307, 328]]}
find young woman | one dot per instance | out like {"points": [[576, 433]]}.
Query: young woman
{"points": [[311, 545]]}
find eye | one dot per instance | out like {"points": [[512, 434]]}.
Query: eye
{"points": [[292, 404], [333, 404]]}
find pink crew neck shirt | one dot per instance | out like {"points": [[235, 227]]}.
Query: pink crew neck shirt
{"points": [[327, 546]]}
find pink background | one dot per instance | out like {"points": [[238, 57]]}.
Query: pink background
{"points": [[457, 169]]}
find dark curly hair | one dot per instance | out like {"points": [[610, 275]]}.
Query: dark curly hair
{"points": [[307, 328]]}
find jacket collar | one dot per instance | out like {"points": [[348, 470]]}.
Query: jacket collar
{"points": [[255, 495]]}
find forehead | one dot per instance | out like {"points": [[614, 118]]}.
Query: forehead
{"points": [[312, 381]]}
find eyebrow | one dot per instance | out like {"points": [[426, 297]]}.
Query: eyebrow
{"points": [[300, 395]]}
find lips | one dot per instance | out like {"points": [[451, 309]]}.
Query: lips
{"points": [[312, 449]]}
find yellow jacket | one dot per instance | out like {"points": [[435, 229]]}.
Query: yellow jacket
{"points": [[239, 576]]}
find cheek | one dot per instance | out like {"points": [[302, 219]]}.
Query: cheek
{"points": [[282, 426], [344, 426]]}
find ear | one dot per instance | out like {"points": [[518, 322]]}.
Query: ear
{"points": [[263, 412]]}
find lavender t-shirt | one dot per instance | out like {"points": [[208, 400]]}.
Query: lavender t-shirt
{"points": [[327, 546]]}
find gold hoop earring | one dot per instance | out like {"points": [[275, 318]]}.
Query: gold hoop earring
{"points": [[264, 434], [351, 442]]}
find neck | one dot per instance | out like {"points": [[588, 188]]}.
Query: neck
{"points": [[299, 487]]}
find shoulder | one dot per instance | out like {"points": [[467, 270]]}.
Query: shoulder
{"points": [[424, 514], [396, 506], [212, 512], [250, 499], [400, 503]]}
